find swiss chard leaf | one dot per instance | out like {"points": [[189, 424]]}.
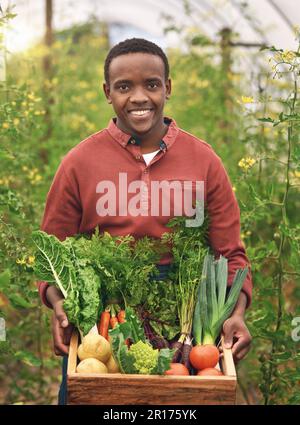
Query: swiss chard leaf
{"points": [[164, 360], [52, 262], [120, 352]]}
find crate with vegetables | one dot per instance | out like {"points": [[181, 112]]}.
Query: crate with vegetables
{"points": [[155, 341]]}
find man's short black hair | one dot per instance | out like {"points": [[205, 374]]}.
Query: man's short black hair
{"points": [[135, 45]]}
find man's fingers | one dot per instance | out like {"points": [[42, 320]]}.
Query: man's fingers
{"points": [[58, 338], [60, 314], [241, 344], [228, 334], [67, 333]]}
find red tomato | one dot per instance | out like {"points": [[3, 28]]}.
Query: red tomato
{"points": [[204, 356], [177, 369], [210, 371]]}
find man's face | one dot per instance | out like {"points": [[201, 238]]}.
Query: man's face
{"points": [[138, 90]]}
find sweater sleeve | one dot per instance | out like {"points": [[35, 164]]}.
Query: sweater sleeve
{"points": [[224, 230], [62, 214]]}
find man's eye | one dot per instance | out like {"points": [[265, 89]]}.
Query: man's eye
{"points": [[123, 87], [153, 85]]}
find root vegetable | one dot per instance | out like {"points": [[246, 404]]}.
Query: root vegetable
{"points": [[95, 346], [112, 365], [91, 365]]}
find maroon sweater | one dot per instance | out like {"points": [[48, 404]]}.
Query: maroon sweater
{"points": [[78, 199]]}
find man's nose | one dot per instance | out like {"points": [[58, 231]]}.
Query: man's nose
{"points": [[138, 96]]}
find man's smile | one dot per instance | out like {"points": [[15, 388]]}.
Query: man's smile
{"points": [[140, 113]]}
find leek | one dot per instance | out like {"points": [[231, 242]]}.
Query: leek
{"points": [[212, 308]]}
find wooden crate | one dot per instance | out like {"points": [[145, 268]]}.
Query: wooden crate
{"points": [[117, 388]]}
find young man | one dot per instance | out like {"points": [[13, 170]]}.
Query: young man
{"points": [[99, 181]]}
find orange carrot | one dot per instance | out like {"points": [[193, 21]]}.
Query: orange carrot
{"points": [[121, 319], [104, 323], [121, 316], [113, 318]]}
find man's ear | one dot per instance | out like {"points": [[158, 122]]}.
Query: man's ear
{"points": [[106, 90], [168, 88]]}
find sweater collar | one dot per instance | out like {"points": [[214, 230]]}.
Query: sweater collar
{"points": [[124, 138]]}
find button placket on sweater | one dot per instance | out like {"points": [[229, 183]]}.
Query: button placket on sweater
{"points": [[145, 193]]}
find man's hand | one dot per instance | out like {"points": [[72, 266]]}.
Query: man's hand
{"points": [[236, 334], [61, 329], [237, 337]]}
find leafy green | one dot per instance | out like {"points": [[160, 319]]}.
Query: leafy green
{"points": [[60, 263], [189, 247], [161, 304], [211, 308], [141, 357], [52, 261]]}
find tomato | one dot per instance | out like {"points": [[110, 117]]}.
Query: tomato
{"points": [[204, 356], [210, 371], [177, 369]]}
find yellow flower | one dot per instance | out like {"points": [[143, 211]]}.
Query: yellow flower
{"points": [[16, 122], [247, 99], [37, 113], [90, 95], [25, 168], [5, 125], [21, 261], [24, 103], [246, 163], [37, 178], [297, 174], [13, 103], [234, 188], [31, 259], [288, 56], [248, 233], [83, 84]]}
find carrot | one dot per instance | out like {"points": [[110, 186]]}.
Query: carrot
{"points": [[121, 316], [121, 319], [113, 318], [104, 323]]}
